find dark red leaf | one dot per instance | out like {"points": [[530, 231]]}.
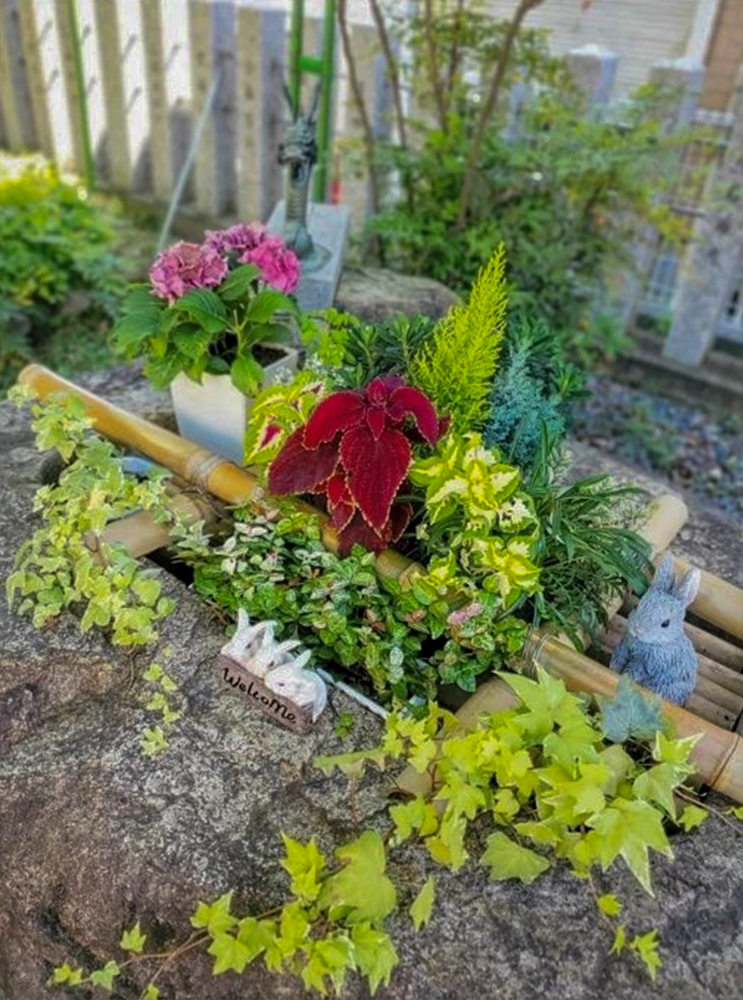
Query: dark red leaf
{"points": [[375, 469], [358, 532], [296, 469], [378, 391], [376, 418], [399, 517], [337, 490], [420, 408], [336, 413], [341, 513]]}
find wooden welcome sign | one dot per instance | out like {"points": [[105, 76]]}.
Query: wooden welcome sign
{"points": [[275, 706]]}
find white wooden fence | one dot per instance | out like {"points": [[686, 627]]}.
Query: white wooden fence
{"points": [[148, 69]]}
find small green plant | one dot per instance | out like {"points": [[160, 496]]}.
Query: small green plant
{"points": [[65, 564], [159, 699], [455, 367], [275, 566], [531, 393]]}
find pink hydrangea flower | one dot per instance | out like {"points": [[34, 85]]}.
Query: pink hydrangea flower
{"points": [[185, 266], [279, 265], [237, 239]]}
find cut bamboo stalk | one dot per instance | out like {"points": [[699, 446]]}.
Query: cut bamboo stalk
{"points": [[141, 534], [192, 463], [727, 678], [718, 602]]}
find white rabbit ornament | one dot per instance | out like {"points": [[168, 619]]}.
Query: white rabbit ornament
{"points": [[655, 651], [271, 675]]}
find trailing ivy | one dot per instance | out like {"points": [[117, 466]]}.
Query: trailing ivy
{"points": [[65, 564], [539, 780]]}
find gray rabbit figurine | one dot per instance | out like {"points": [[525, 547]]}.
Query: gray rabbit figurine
{"points": [[655, 651]]}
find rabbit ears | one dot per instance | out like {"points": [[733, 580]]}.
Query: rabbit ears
{"points": [[684, 588]]}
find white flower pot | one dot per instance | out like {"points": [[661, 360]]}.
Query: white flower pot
{"points": [[215, 414]]}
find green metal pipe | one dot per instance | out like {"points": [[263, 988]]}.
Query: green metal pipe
{"points": [[322, 169], [296, 43]]}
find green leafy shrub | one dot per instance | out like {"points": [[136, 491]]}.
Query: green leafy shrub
{"points": [[57, 269], [567, 192], [537, 784]]}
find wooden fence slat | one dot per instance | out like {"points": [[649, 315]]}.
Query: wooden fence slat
{"points": [[8, 96], [202, 78], [260, 50], [65, 18], [151, 14], [370, 69], [35, 75], [114, 99]]}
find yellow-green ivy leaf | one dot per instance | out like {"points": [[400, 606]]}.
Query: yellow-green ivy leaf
{"points": [[693, 816], [736, 811], [375, 954], [609, 904], [304, 862], [66, 974], [420, 910], [216, 916], [448, 847], [133, 940], [361, 884], [645, 947], [415, 815], [105, 977], [657, 785], [506, 859], [151, 993], [628, 828], [620, 941], [229, 953]]}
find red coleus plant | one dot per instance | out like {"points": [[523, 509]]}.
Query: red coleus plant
{"points": [[355, 449]]}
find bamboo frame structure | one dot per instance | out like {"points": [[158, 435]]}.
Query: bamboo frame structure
{"points": [[719, 752]]}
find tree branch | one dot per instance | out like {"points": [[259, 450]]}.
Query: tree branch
{"points": [[434, 73], [488, 107], [393, 68]]}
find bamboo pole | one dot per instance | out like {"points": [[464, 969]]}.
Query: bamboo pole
{"points": [[140, 533], [192, 463], [718, 602]]}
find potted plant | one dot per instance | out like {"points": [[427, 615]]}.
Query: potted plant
{"points": [[215, 323]]}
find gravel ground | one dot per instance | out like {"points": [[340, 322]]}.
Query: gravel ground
{"points": [[694, 453]]}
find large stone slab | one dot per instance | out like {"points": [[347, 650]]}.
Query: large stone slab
{"points": [[93, 835], [319, 275]]}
